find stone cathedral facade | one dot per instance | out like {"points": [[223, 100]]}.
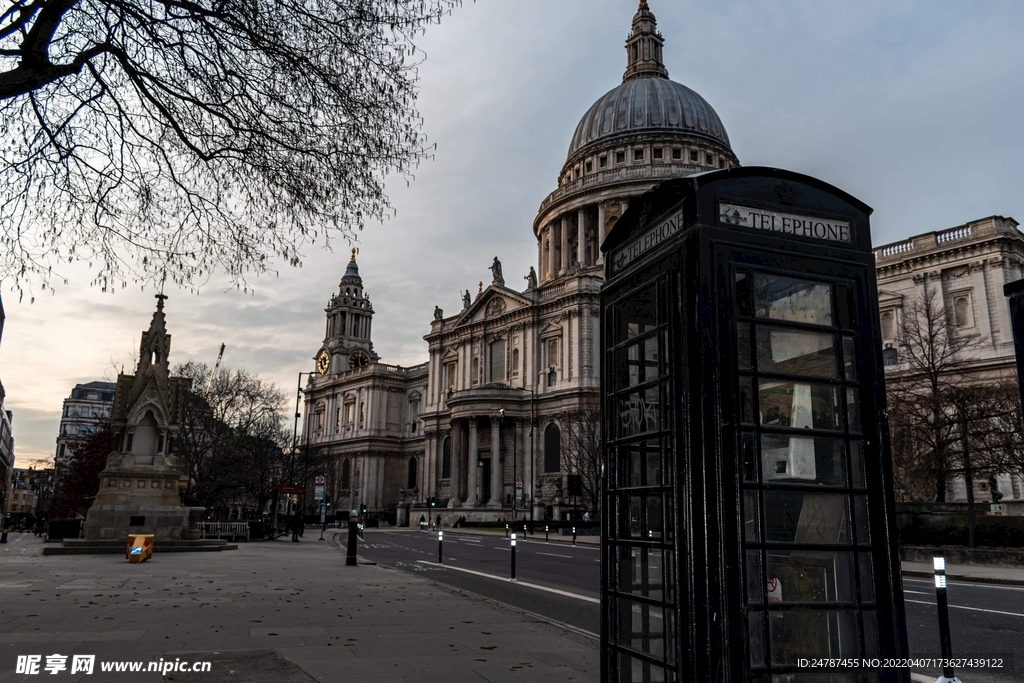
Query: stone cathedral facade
{"points": [[484, 417]]}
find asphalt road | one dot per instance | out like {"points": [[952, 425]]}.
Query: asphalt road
{"points": [[572, 572], [985, 620]]}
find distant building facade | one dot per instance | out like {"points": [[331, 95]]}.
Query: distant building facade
{"points": [[966, 267], [30, 494], [85, 411]]}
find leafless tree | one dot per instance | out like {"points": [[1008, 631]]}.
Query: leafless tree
{"points": [[175, 137], [924, 430], [231, 437], [582, 451]]}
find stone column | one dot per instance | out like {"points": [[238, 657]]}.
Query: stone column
{"points": [[471, 467], [552, 273], [983, 322], [600, 232], [496, 488], [455, 482], [581, 237], [564, 255]]}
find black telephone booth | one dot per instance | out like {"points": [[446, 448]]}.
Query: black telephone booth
{"points": [[749, 528]]}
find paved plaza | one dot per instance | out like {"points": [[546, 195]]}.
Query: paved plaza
{"points": [[274, 611]]}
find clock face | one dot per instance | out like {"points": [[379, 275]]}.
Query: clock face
{"points": [[323, 362], [358, 359]]}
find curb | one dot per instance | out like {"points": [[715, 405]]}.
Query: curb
{"points": [[533, 615]]}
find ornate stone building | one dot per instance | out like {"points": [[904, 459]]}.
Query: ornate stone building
{"points": [[966, 267], [487, 410], [363, 415], [141, 483]]}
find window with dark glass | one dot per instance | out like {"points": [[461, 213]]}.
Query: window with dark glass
{"points": [[346, 474], [552, 449], [411, 480], [809, 588], [446, 458]]}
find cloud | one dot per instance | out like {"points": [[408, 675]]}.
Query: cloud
{"points": [[910, 106]]}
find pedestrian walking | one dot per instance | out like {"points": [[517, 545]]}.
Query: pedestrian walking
{"points": [[296, 526]]}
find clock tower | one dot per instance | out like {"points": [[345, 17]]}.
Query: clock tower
{"points": [[347, 343]]}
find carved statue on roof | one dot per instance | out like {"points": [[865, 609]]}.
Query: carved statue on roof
{"points": [[438, 313], [497, 278], [531, 279], [467, 301]]}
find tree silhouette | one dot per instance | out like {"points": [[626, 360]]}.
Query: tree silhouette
{"points": [[179, 137]]}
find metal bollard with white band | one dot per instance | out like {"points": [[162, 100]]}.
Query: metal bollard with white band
{"points": [[948, 675], [513, 578]]}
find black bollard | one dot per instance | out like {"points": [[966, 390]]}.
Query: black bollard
{"points": [[440, 538], [943, 606], [506, 531], [513, 558], [353, 524], [546, 533], [574, 536]]}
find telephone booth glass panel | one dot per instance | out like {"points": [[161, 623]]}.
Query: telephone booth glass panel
{"points": [[809, 584], [640, 560]]}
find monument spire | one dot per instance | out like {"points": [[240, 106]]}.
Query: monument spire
{"points": [[644, 46]]}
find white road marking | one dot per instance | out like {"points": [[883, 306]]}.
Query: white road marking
{"points": [[557, 555], [523, 583], [973, 609], [917, 592]]}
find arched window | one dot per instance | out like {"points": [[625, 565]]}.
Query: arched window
{"points": [[346, 474], [890, 357], [888, 325], [411, 483], [446, 458], [552, 449]]}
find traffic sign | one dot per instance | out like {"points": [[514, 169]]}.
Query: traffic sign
{"points": [[321, 479], [519, 483]]}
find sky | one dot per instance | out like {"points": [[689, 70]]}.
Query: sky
{"points": [[912, 106]]}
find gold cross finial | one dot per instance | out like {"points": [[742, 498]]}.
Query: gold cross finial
{"points": [[352, 260], [480, 287]]}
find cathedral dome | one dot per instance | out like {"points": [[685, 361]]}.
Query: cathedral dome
{"points": [[648, 106]]}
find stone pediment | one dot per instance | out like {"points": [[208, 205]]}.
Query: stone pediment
{"points": [[450, 355], [493, 303]]}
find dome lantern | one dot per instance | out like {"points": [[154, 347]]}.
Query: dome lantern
{"points": [[644, 46]]}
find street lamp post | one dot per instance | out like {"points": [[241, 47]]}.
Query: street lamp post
{"points": [[515, 471]]}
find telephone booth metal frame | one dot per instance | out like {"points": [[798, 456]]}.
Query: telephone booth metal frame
{"points": [[749, 527]]}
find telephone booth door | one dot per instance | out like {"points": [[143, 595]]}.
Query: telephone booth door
{"points": [[794, 350]]}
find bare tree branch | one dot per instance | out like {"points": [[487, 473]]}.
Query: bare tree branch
{"points": [[185, 137]]}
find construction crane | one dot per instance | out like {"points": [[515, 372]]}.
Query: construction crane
{"points": [[216, 366]]}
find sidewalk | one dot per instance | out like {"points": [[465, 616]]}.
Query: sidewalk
{"points": [[271, 613]]}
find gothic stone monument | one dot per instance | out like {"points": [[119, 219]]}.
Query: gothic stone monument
{"points": [[139, 488]]}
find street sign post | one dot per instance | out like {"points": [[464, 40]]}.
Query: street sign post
{"points": [[318, 492]]}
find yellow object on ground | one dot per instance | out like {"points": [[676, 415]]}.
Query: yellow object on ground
{"points": [[140, 547]]}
